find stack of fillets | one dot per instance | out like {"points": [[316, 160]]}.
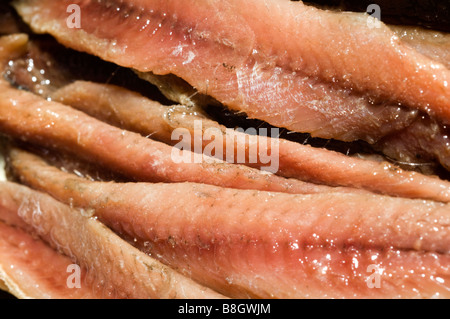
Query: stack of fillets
{"points": [[191, 225]]}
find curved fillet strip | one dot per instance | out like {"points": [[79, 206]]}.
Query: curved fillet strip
{"points": [[129, 110], [115, 269], [271, 244], [134, 112], [32, 269], [31, 118], [329, 81]]}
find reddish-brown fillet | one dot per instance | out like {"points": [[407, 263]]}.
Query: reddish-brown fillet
{"points": [[261, 244], [115, 268], [134, 112], [291, 65]]}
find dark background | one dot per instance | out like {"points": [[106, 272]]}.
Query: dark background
{"points": [[5, 295]]}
